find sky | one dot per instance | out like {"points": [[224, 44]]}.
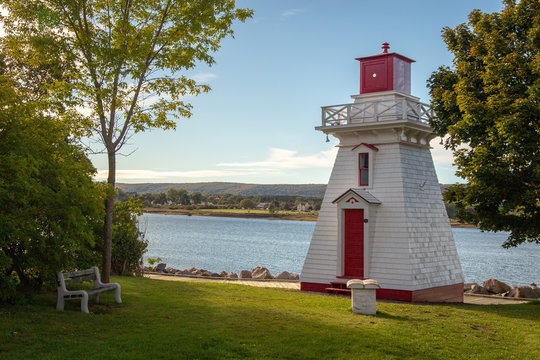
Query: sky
{"points": [[270, 81]]}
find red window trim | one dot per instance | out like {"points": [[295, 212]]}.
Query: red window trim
{"points": [[361, 168]]}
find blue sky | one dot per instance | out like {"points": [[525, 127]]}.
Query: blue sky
{"points": [[269, 82]]}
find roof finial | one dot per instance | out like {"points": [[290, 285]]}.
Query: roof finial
{"points": [[385, 47]]}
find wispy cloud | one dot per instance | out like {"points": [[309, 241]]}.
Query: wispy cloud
{"points": [[204, 77], [126, 175], [288, 159], [291, 12], [277, 161]]}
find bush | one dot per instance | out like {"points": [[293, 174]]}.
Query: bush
{"points": [[128, 242], [49, 205]]}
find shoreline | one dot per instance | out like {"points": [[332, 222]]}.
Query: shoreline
{"points": [[256, 215]]}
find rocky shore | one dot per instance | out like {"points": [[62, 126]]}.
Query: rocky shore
{"points": [[495, 287], [257, 273]]}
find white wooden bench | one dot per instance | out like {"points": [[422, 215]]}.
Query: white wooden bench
{"points": [[74, 277]]}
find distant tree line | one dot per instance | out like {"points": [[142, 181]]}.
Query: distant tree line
{"points": [[181, 199]]}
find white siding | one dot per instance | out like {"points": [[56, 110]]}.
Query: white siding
{"points": [[409, 244]]}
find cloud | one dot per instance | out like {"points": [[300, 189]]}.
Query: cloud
{"points": [[291, 12], [126, 175], [204, 77], [278, 160], [288, 159], [439, 154]]}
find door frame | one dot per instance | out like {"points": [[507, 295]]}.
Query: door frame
{"points": [[345, 204]]}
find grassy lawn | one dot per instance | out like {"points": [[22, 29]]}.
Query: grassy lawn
{"points": [[177, 320]]}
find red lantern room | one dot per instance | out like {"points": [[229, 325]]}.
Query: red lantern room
{"points": [[385, 72]]}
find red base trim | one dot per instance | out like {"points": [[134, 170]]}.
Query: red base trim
{"points": [[449, 293], [316, 287]]}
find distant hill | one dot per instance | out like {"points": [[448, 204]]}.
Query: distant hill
{"points": [[308, 190]]}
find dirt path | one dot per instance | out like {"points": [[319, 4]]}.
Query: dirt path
{"points": [[467, 299]]}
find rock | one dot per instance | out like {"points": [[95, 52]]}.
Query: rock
{"points": [[231, 275], [526, 292], [295, 277], [495, 286], [214, 275], [477, 289], [189, 271], [468, 286], [284, 275], [223, 274], [205, 273], [261, 273], [171, 270], [245, 274], [533, 285], [160, 267]]}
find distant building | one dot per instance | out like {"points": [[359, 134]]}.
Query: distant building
{"points": [[304, 206], [262, 206]]}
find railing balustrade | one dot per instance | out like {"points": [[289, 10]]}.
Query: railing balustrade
{"points": [[376, 111]]}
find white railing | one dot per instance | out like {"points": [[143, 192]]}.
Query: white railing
{"points": [[377, 111]]}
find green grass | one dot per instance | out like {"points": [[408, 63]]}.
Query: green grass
{"points": [[181, 320]]}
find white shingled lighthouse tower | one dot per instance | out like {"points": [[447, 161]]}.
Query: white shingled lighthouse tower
{"points": [[382, 216]]}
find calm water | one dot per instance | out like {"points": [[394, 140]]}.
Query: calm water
{"points": [[234, 244]]}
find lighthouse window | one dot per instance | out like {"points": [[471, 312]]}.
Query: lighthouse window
{"points": [[363, 166]]}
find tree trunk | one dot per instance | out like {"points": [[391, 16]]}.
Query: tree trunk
{"points": [[107, 231]]}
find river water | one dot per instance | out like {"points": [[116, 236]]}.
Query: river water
{"points": [[234, 244]]}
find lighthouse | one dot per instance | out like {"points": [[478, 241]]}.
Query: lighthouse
{"points": [[382, 215]]}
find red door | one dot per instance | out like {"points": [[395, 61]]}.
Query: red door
{"points": [[354, 243]]}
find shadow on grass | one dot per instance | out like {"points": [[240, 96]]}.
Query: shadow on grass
{"points": [[165, 319]]}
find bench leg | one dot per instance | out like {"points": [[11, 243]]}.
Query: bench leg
{"points": [[84, 304], [60, 302], [117, 297], [96, 298]]}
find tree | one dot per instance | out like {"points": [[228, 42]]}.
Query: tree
{"points": [[196, 197], [488, 104], [178, 196], [121, 61], [247, 204], [49, 206]]}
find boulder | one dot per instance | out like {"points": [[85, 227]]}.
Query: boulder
{"points": [[160, 267], [295, 277], [284, 275], [245, 274], [477, 289], [526, 292], [468, 286], [223, 274], [214, 275], [231, 275], [495, 286], [205, 273], [171, 270], [261, 273]]}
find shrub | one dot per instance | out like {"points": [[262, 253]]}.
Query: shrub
{"points": [[128, 242]]}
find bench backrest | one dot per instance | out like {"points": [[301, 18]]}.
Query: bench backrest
{"points": [[79, 276]]}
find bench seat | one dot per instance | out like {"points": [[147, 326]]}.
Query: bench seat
{"points": [[92, 274]]}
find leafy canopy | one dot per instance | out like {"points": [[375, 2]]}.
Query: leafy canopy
{"points": [[120, 59], [488, 104]]}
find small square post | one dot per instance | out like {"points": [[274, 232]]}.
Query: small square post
{"points": [[363, 296]]}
